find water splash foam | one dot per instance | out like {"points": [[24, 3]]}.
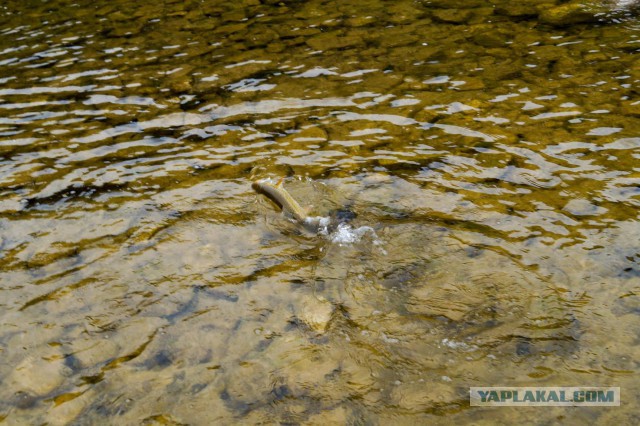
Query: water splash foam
{"points": [[343, 233]]}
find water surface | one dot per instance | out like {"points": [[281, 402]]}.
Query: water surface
{"points": [[492, 149]]}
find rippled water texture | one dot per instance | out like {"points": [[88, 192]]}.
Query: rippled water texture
{"points": [[483, 157]]}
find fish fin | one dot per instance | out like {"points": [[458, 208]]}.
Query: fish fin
{"points": [[280, 182]]}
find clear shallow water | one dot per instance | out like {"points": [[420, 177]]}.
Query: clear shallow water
{"points": [[493, 151]]}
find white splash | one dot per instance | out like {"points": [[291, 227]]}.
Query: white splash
{"points": [[459, 345], [344, 233], [319, 222]]}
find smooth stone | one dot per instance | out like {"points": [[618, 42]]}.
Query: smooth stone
{"points": [[424, 396], [336, 416], [316, 314], [569, 14], [517, 9], [452, 16], [92, 353], [39, 376], [333, 40]]}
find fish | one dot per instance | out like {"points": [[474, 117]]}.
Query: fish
{"points": [[335, 226], [282, 198]]}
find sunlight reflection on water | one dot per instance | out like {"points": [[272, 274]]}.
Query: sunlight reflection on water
{"points": [[478, 163]]}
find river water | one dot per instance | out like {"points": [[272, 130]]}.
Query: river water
{"points": [[483, 156]]}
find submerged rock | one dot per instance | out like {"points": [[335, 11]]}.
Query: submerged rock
{"points": [[578, 12], [39, 376], [519, 9], [333, 40], [570, 13], [452, 16], [316, 314]]}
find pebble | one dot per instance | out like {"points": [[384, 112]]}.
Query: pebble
{"points": [[576, 12], [38, 376], [316, 314]]}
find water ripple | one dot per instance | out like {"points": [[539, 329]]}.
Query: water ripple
{"points": [[492, 148]]}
